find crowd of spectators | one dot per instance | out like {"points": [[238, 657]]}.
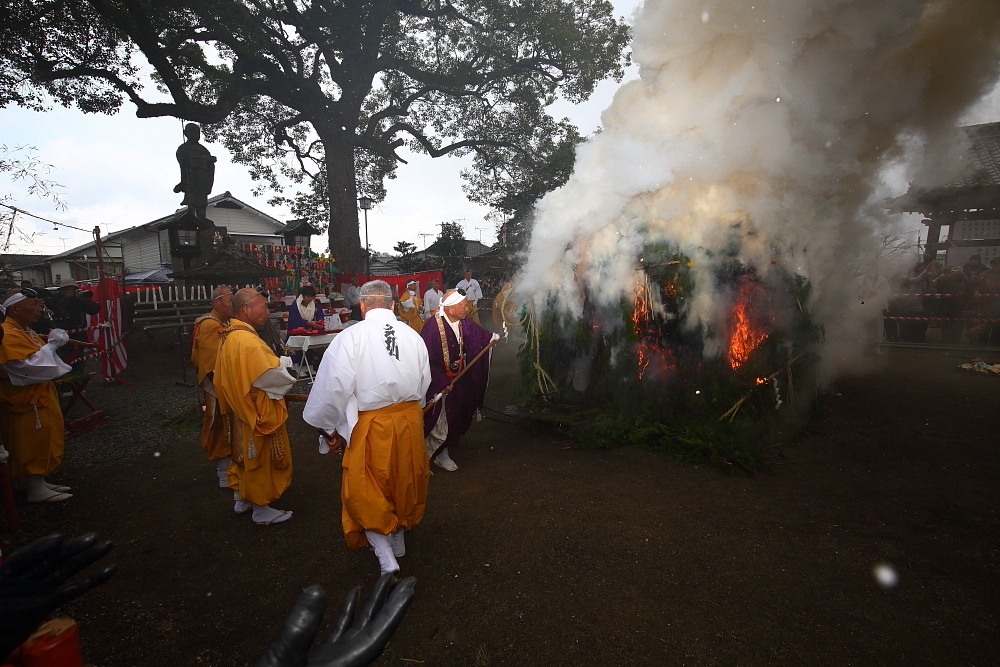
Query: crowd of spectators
{"points": [[959, 300]]}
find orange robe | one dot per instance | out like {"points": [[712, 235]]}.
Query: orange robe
{"points": [[215, 427], [31, 420], [385, 472], [261, 468], [411, 316]]}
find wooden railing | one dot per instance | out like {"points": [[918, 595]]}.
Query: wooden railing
{"points": [[149, 316]]}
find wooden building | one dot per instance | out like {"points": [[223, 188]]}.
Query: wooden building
{"points": [[963, 216], [151, 245]]}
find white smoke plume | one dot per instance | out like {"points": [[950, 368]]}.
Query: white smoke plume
{"points": [[783, 116]]}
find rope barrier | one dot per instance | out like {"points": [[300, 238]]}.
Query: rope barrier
{"points": [[102, 325], [938, 319], [957, 295]]}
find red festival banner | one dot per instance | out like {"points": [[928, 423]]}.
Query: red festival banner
{"points": [[398, 283]]}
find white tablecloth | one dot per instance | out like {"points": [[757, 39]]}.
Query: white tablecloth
{"points": [[307, 342]]}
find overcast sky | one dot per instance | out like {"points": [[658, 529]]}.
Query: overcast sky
{"points": [[119, 172]]}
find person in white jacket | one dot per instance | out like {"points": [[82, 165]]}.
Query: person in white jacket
{"points": [[369, 392]]}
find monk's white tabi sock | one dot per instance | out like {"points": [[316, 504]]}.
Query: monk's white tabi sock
{"points": [[266, 515], [39, 492], [56, 487], [396, 540], [221, 465], [240, 506], [383, 549], [443, 460]]}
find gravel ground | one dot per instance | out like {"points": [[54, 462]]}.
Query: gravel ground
{"points": [[539, 552]]}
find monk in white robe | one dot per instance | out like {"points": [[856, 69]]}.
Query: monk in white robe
{"points": [[369, 391]]}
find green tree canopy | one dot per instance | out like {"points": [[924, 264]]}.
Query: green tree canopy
{"points": [[325, 92], [450, 248], [406, 261]]}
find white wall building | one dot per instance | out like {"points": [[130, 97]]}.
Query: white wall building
{"points": [[147, 246]]}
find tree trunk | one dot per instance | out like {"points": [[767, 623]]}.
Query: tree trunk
{"points": [[342, 191]]}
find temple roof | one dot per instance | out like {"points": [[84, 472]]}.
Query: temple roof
{"points": [[228, 265], [976, 187], [300, 226]]}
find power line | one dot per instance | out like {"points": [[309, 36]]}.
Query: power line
{"points": [[38, 217]]}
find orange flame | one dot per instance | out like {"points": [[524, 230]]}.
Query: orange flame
{"points": [[648, 349], [640, 312], [744, 337]]}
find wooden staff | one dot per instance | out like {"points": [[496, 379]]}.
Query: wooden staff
{"points": [[447, 390]]}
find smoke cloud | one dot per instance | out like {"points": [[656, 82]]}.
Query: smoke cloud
{"points": [[781, 117]]}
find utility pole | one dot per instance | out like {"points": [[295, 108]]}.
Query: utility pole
{"points": [[425, 235]]}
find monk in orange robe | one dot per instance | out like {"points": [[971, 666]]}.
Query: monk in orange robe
{"points": [[250, 384], [215, 427], [410, 305], [31, 420]]}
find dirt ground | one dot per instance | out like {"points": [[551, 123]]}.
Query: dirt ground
{"points": [[538, 552]]}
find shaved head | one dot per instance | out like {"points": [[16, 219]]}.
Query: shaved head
{"points": [[222, 300]]}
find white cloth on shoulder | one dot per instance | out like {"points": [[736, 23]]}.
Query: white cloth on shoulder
{"points": [[276, 381], [308, 312], [42, 366]]}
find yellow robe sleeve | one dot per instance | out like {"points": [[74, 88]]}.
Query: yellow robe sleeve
{"points": [[205, 346], [19, 345]]}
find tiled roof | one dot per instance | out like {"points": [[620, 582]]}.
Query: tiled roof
{"points": [[472, 249], [20, 261], [983, 157], [978, 186]]}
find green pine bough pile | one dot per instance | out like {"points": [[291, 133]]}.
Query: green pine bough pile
{"points": [[636, 375]]}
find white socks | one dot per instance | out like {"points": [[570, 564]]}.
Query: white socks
{"points": [[265, 515], [444, 461], [383, 549], [221, 465], [240, 506], [39, 491], [397, 543]]}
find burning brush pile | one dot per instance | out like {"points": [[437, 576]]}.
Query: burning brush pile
{"points": [[642, 374]]}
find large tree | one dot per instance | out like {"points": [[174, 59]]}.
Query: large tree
{"points": [[325, 92]]}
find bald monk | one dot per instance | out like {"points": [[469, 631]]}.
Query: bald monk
{"points": [[250, 384], [31, 420], [215, 427]]}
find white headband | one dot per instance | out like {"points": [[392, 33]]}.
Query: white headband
{"points": [[453, 299], [17, 296]]}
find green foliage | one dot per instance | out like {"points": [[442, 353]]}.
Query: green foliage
{"points": [[406, 261], [450, 249], [327, 93], [6, 278], [186, 421]]}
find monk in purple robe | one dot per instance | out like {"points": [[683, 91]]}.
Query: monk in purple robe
{"points": [[452, 342]]}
